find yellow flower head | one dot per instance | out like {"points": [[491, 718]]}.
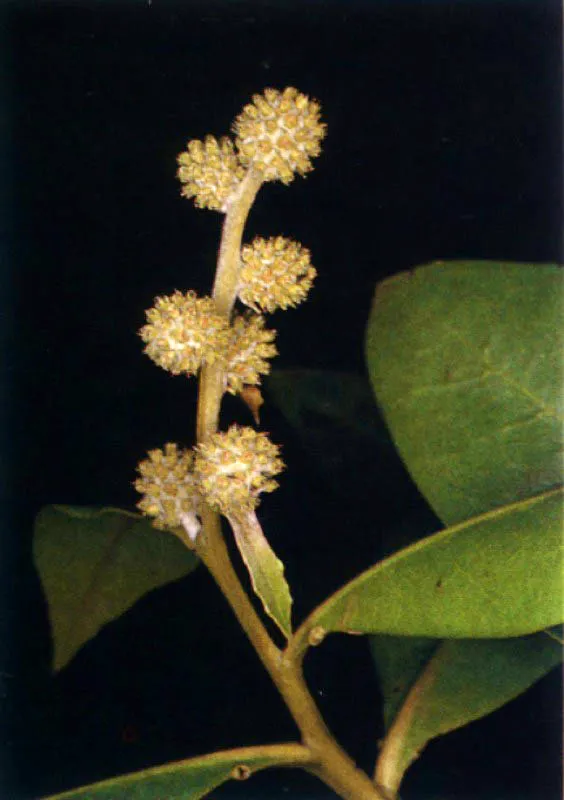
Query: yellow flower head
{"points": [[183, 331], [168, 486], [209, 172], [275, 273], [233, 468], [250, 346], [278, 133]]}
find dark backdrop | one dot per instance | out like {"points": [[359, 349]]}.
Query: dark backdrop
{"points": [[443, 142]]}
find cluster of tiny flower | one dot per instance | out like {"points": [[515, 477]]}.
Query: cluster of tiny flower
{"points": [[275, 137], [184, 332], [230, 471]]}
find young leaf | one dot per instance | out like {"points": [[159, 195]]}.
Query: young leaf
{"points": [[495, 576], [458, 681], [265, 569], [95, 564], [190, 779], [465, 360]]}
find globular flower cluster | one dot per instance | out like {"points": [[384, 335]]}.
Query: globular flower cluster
{"points": [[235, 467], [250, 346], [184, 331], [278, 133], [209, 172], [275, 273], [168, 486]]}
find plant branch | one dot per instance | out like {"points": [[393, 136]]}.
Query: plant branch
{"points": [[213, 552], [328, 761], [224, 294]]}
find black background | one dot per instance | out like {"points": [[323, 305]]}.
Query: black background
{"points": [[443, 141]]}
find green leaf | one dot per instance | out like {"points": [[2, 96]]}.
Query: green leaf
{"points": [[465, 360], [495, 576], [449, 685], [266, 570], [399, 662], [190, 779], [95, 564]]}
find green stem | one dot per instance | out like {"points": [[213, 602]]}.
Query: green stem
{"points": [[328, 761]]}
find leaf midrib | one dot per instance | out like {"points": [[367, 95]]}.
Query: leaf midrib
{"points": [[87, 601]]}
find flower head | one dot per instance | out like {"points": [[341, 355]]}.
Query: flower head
{"points": [[209, 172], [278, 133], [233, 468], [183, 331], [249, 347], [275, 273], [168, 486]]}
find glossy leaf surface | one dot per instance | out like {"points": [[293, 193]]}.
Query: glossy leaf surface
{"points": [[465, 359], [95, 564], [497, 575]]}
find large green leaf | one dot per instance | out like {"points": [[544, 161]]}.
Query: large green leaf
{"points": [[465, 359], [190, 779], [432, 688], [95, 564], [495, 576]]}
